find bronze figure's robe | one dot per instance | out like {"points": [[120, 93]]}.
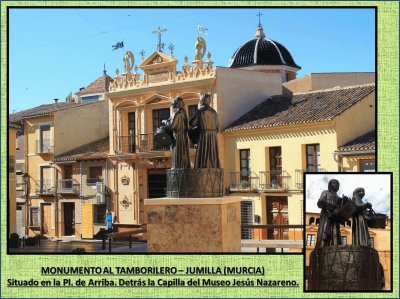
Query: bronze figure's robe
{"points": [[360, 233], [328, 229], [178, 123], [207, 155]]}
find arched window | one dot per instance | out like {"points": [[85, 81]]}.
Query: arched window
{"points": [[311, 221], [317, 221]]}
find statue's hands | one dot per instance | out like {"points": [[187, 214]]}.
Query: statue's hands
{"points": [[345, 199], [164, 122], [368, 205]]}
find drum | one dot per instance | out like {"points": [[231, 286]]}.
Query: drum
{"points": [[163, 136], [345, 212], [194, 134]]}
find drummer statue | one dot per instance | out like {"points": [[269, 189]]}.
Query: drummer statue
{"points": [[178, 124], [335, 266], [205, 120], [329, 227]]}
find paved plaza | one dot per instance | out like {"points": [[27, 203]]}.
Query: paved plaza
{"points": [[90, 246]]}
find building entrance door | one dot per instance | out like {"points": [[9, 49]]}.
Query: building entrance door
{"points": [[46, 219], [69, 219], [157, 180], [277, 213]]}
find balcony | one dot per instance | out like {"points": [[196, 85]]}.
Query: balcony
{"points": [[44, 187], [126, 144], [44, 146], [299, 175], [139, 143], [275, 180], [68, 187], [244, 181], [92, 186]]}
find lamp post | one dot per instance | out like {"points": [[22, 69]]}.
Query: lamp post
{"points": [[26, 178]]}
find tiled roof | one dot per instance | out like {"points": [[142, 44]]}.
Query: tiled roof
{"points": [[95, 150], [42, 110], [15, 126], [101, 84], [362, 143], [300, 108]]}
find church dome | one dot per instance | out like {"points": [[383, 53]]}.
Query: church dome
{"points": [[261, 51]]}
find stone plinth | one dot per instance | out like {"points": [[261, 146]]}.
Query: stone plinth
{"points": [[193, 224], [342, 268]]}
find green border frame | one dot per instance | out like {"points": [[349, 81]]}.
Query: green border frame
{"points": [[26, 267]]}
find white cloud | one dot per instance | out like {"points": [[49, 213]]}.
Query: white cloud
{"points": [[377, 189]]}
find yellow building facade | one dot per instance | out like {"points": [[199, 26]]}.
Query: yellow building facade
{"points": [[270, 148], [48, 131], [12, 180]]}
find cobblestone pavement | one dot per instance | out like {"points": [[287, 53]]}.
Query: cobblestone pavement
{"points": [[90, 246]]}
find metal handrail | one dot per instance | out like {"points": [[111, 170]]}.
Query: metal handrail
{"points": [[275, 179], [68, 186], [244, 181]]}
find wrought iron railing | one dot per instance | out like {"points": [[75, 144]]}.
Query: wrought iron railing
{"points": [[300, 173], [146, 143], [44, 187], [139, 143], [44, 146], [68, 186], [275, 180], [244, 181], [126, 144]]}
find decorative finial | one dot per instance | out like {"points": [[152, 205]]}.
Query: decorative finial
{"points": [[260, 31], [208, 56], [201, 29], [159, 31], [186, 60], [142, 53], [136, 69], [171, 47], [104, 70], [259, 19], [117, 72]]}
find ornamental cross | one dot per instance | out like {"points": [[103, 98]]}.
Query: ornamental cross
{"points": [[171, 47], [259, 19], [142, 53], [159, 31]]}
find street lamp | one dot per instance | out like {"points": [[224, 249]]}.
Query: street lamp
{"points": [[26, 177]]}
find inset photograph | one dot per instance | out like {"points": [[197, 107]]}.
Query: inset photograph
{"points": [[348, 232]]}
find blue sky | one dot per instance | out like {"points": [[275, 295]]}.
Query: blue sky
{"points": [[56, 51]]}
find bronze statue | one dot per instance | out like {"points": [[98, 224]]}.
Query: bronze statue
{"points": [[353, 266], [360, 232], [329, 227], [206, 119], [178, 123]]}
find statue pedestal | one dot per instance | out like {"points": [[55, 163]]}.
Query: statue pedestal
{"points": [[345, 267], [193, 224], [195, 183]]}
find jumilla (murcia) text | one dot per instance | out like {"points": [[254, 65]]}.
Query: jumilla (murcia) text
{"points": [[153, 271]]}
